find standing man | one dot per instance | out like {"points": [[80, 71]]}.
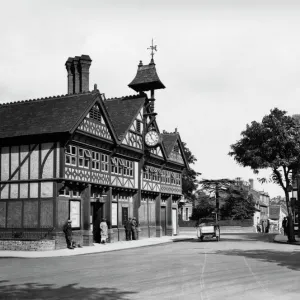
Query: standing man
{"points": [[284, 225], [128, 227], [68, 233], [134, 226]]}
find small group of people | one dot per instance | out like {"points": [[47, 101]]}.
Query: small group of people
{"points": [[67, 229], [264, 226], [131, 229]]}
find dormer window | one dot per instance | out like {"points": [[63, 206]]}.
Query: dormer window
{"points": [[95, 113]]}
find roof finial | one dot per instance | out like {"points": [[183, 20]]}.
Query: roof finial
{"points": [[152, 48]]}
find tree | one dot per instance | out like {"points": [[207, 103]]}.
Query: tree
{"points": [[272, 144], [214, 187], [239, 204], [189, 176], [204, 205]]}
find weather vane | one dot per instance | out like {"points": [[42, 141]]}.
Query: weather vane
{"points": [[152, 48]]}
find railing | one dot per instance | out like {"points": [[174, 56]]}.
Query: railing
{"points": [[28, 234]]}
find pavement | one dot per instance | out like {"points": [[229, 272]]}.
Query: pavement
{"points": [[97, 248], [282, 239], [123, 245]]}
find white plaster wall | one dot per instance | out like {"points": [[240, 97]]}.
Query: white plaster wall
{"points": [[24, 168], [34, 163], [48, 166], [4, 192], [46, 189], [24, 190], [14, 191], [34, 192], [4, 163], [15, 161]]}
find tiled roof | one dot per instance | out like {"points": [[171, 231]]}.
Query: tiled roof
{"points": [[146, 78], [169, 140], [43, 116], [122, 111]]}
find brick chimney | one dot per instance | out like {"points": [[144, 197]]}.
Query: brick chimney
{"points": [[78, 73]]}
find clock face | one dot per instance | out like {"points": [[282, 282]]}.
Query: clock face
{"points": [[152, 138]]}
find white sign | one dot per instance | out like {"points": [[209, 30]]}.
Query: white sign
{"points": [[114, 214], [75, 213]]}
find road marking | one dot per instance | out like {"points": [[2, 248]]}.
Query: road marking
{"points": [[202, 283], [255, 277]]}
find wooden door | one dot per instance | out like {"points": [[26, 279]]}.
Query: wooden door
{"points": [[163, 220]]}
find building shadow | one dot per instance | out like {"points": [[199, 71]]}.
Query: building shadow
{"points": [[286, 259], [36, 291]]}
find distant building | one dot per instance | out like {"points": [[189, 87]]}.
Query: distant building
{"points": [[262, 204], [277, 213]]}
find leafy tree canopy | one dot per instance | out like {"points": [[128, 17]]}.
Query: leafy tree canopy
{"points": [[239, 204], [189, 176], [204, 205], [272, 144]]}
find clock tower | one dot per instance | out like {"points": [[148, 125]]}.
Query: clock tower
{"points": [[146, 79]]}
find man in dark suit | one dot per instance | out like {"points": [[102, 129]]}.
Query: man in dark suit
{"points": [[128, 227]]}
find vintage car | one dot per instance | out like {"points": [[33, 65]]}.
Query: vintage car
{"points": [[208, 228]]}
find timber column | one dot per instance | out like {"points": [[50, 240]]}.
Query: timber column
{"points": [[86, 208], [158, 216], [108, 214], [169, 229]]}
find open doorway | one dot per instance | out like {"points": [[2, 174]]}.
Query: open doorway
{"points": [[96, 216]]}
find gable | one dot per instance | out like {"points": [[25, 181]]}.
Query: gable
{"points": [[176, 154], [157, 151], [134, 135], [123, 111], [95, 124]]}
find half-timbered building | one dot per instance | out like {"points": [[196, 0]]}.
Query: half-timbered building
{"points": [[84, 157]]}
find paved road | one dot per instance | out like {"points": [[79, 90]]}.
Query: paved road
{"points": [[241, 266]]}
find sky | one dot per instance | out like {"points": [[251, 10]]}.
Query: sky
{"points": [[224, 63]]}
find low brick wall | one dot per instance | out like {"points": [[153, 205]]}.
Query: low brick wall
{"points": [[60, 239], [43, 245]]}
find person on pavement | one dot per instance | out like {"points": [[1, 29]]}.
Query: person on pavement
{"points": [[128, 227], [134, 226], [68, 234], [103, 231], [285, 225]]}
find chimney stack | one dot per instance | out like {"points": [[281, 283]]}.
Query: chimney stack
{"points": [[78, 73]]}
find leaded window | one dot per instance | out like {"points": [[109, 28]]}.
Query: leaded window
{"points": [[95, 161], [104, 163], [128, 168], [71, 155], [84, 157]]}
